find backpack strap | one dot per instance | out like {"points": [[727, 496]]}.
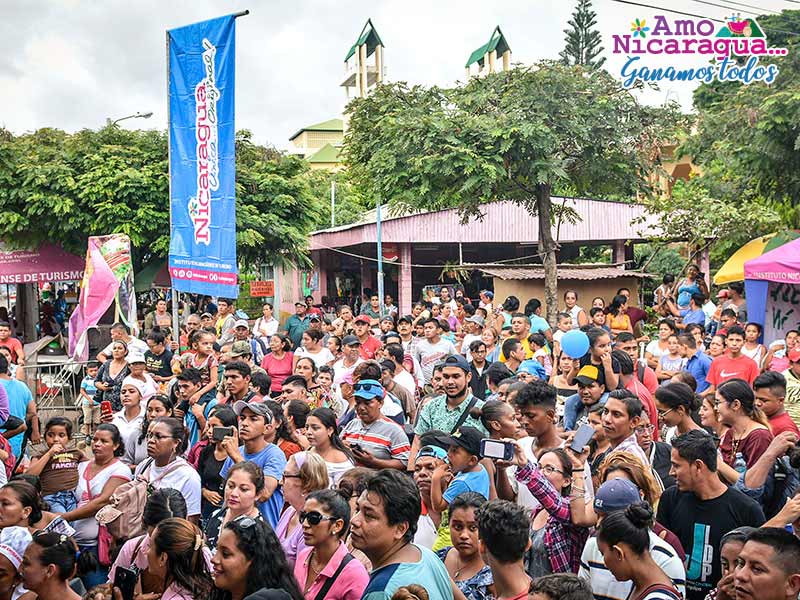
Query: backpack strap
{"points": [[464, 415], [323, 591]]}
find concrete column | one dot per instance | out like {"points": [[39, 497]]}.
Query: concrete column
{"points": [[618, 252], [492, 58], [404, 281], [362, 68], [507, 60], [379, 63], [485, 68]]}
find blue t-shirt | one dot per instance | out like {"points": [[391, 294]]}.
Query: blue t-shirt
{"points": [[88, 386], [694, 316], [191, 421], [429, 572], [699, 366], [539, 324], [474, 481], [19, 396], [272, 461]]}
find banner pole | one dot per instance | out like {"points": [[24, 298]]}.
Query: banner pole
{"points": [[176, 331]]}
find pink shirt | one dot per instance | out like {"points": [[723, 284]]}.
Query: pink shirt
{"points": [[349, 585]]}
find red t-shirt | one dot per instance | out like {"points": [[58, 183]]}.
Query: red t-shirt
{"points": [[649, 378], [781, 423], [724, 368], [369, 348], [752, 446]]}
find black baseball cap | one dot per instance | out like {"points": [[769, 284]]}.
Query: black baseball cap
{"points": [[350, 340], [468, 438], [456, 360], [407, 318]]}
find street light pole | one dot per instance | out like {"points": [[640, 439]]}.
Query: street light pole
{"points": [[138, 115]]}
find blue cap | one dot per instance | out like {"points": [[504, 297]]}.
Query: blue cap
{"points": [[433, 451], [533, 367], [616, 494], [368, 388], [456, 360]]}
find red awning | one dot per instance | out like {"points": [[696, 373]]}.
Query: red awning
{"points": [[48, 263]]}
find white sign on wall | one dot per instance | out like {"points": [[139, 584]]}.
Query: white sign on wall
{"points": [[783, 310]]}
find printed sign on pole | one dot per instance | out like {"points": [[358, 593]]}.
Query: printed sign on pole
{"points": [[202, 252]]}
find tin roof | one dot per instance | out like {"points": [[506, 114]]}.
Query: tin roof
{"points": [[502, 222], [574, 272], [496, 42], [334, 125]]}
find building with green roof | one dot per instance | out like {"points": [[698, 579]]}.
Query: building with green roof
{"points": [[485, 57], [319, 143], [359, 75]]}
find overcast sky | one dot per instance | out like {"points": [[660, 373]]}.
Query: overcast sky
{"points": [[71, 64]]}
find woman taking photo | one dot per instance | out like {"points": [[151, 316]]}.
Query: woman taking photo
{"points": [[98, 479], [675, 403], [321, 569], [136, 445], [212, 458], [499, 419], [250, 558], [166, 468], [322, 433], [462, 560], [177, 556], [749, 433], [313, 348], [656, 348], [305, 473], [243, 486], [161, 505], [557, 482], [50, 550], [111, 374], [279, 363], [624, 540]]}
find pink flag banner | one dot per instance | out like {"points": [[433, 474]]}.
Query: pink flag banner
{"points": [[107, 280]]}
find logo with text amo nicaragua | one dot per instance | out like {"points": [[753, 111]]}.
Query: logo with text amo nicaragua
{"points": [[730, 53]]}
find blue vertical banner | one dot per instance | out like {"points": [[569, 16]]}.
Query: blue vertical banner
{"points": [[202, 165]]}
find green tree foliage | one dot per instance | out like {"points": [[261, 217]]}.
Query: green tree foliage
{"points": [[747, 137], [583, 38], [64, 187], [516, 136]]}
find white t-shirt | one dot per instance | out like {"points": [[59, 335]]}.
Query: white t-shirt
{"points": [[405, 380], [270, 327], [426, 532], [465, 343], [654, 349], [183, 478], [86, 529], [429, 355], [340, 371], [128, 428], [605, 585], [336, 470], [134, 344], [321, 358]]}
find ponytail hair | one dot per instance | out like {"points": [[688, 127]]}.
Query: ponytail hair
{"points": [[490, 411], [182, 542], [327, 417], [676, 395], [631, 526], [738, 389]]}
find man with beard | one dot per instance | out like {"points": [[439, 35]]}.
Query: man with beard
{"points": [[451, 410]]}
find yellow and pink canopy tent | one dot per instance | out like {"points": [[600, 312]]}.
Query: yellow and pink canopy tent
{"points": [[733, 269]]}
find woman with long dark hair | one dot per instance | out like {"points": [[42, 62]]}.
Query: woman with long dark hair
{"points": [[44, 551], [212, 458], [21, 505], [249, 557], [676, 402], [618, 320], [177, 555], [322, 433], [326, 519], [749, 434], [279, 362], [243, 486], [111, 374]]}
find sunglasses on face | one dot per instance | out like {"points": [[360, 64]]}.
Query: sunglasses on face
{"points": [[313, 517]]}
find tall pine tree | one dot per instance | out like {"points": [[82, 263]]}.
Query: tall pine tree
{"points": [[583, 39]]}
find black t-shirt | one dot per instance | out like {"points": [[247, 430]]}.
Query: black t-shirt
{"points": [[662, 463], [158, 365], [700, 525], [209, 469], [586, 359]]}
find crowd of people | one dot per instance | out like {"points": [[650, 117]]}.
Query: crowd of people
{"points": [[455, 452]]}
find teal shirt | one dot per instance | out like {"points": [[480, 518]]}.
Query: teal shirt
{"points": [[295, 326], [436, 415], [428, 571]]}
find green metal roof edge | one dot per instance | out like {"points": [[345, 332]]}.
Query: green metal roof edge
{"points": [[326, 154], [492, 44], [329, 125], [363, 37]]}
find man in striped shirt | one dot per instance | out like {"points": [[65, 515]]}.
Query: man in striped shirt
{"points": [[376, 441]]}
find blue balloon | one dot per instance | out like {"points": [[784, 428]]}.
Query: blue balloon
{"points": [[575, 343]]}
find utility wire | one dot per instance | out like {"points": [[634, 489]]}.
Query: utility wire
{"points": [[760, 10]]}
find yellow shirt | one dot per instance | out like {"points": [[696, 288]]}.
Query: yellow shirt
{"points": [[525, 344]]}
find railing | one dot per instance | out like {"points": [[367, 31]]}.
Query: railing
{"points": [[55, 385]]}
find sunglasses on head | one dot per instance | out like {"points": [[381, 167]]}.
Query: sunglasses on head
{"points": [[244, 521], [313, 517]]}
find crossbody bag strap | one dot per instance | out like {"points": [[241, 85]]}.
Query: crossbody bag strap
{"points": [[464, 415], [326, 587]]}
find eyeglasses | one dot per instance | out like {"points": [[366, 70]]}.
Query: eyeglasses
{"points": [[550, 469], [664, 413], [313, 517], [157, 436], [244, 521], [645, 429], [369, 388]]}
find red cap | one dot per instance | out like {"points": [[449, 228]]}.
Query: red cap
{"points": [[362, 319], [794, 355]]}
